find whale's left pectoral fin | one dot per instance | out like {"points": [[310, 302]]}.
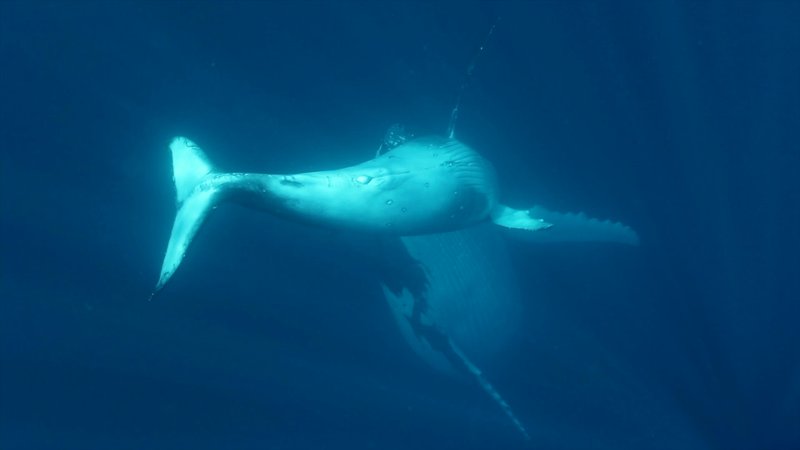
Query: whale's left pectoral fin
{"points": [[518, 218]]}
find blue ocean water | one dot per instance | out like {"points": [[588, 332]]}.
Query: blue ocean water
{"points": [[680, 119]]}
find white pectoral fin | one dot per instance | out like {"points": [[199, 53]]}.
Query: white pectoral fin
{"points": [[521, 219], [577, 227]]}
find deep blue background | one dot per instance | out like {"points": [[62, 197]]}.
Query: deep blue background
{"points": [[680, 119]]}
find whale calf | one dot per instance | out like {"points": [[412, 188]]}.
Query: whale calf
{"points": [[421, 186]]}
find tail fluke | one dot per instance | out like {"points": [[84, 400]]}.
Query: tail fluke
{"points": [[196, 195], [189, 166]]}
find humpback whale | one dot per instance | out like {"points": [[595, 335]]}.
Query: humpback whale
{"points": [[435, 195], [454, 296], [422, 186]]}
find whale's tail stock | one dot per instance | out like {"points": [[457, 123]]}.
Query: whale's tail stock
{"points": [[198, 189]]}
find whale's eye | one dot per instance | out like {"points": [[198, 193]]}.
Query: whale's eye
{"points": [[363, 179]]}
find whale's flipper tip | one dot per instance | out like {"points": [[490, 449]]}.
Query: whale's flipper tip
{"points": [[518, 218]]}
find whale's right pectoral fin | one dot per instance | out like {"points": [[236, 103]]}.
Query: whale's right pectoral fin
{"points": [[577, 227], [195, 196], [518, 218]]}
